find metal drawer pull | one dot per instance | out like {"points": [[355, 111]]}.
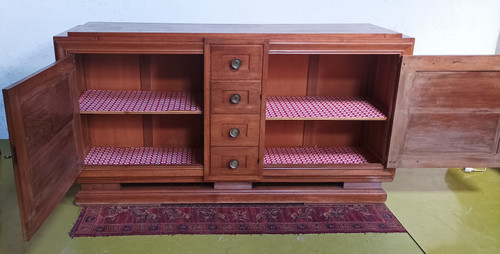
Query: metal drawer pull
{"points": [[235, 64], [233, 164], [234, 132], [235, 98]]}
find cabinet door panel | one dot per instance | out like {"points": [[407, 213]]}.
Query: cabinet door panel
{"points": [[447, 112], [44, 131]]}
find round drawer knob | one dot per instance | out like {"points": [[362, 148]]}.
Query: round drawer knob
{"points": [[235, 98], [234, 132], [235, 64], [233, 164]]}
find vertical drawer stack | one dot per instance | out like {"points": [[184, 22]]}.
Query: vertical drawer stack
{"points": [[235, 97]]}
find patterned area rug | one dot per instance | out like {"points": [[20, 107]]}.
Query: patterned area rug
{"points": [[234, 219]]}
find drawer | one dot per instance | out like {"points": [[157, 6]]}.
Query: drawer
{"points": [[235, 130], [234, 161], [236, 97], [236, 61]]}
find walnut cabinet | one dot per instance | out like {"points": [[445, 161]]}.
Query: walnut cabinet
{"points": [[186, 113]]}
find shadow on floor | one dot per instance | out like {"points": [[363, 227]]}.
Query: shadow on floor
{"points": [[431, 180]]}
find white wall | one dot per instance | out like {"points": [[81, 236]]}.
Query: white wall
{"points": [[439, 26]]}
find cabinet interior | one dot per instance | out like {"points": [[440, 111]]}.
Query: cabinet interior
{"points": [[138, 80], [371, 78], [367, 78]]}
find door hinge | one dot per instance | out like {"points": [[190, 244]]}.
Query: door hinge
{"points": [[12, 155]]}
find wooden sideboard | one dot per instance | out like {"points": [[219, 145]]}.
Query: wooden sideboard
{"points": [[194, 113]]}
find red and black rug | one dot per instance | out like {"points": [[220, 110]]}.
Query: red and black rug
{"points": [[174, 219]]}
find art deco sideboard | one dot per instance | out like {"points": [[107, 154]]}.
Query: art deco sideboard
{"points": [[186, 113]]}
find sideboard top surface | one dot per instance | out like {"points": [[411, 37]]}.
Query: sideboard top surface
{"points": [[110, 28]]}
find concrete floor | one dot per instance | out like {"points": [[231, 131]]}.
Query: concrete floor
{"points": [[444, 211]]}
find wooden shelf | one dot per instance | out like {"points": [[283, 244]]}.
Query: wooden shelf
{"points": [[312, 156], [321, 108], [138, 102], [143, 156]]}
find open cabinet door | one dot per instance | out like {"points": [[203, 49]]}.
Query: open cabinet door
{"points": [[42, 115], [447, 112]]}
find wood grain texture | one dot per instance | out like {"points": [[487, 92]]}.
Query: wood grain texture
{"points": [[341, 46], [284, 133], [249, 91], [42, 119], [287, 75], [207, 102], [129, 28], [382, 94], [313, 133], [116, 130], [437, 91], [333, 133], [147, 120], [141, 174], [264, 194], [144, 38], [177, 131], [247, 158], [341, 75], [232, 185], [262, 121], [447, 113], [112, 72], [451, 133], [177, 73], [251, 62], [248, 126]]}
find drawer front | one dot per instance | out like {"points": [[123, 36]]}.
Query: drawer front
{"points": [[236, 61], [234, 161], [235, 97], [235, 130]]}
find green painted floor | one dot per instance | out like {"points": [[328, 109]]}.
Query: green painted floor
{"points": [[444, 210]]}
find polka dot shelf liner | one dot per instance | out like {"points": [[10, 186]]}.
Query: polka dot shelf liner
{"points": [[303, 107], [313, 155], [142, 156], [137, 101]]}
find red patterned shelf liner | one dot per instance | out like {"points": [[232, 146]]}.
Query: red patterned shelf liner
{"points": [[313, 155], [137, 101], [142, 156], [321, 107]]}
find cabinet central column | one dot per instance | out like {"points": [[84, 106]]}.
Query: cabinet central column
{"points": [[233, 111]]}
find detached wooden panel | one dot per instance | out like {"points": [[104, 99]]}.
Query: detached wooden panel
{"points": [[44, 127], [447, 112]]}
